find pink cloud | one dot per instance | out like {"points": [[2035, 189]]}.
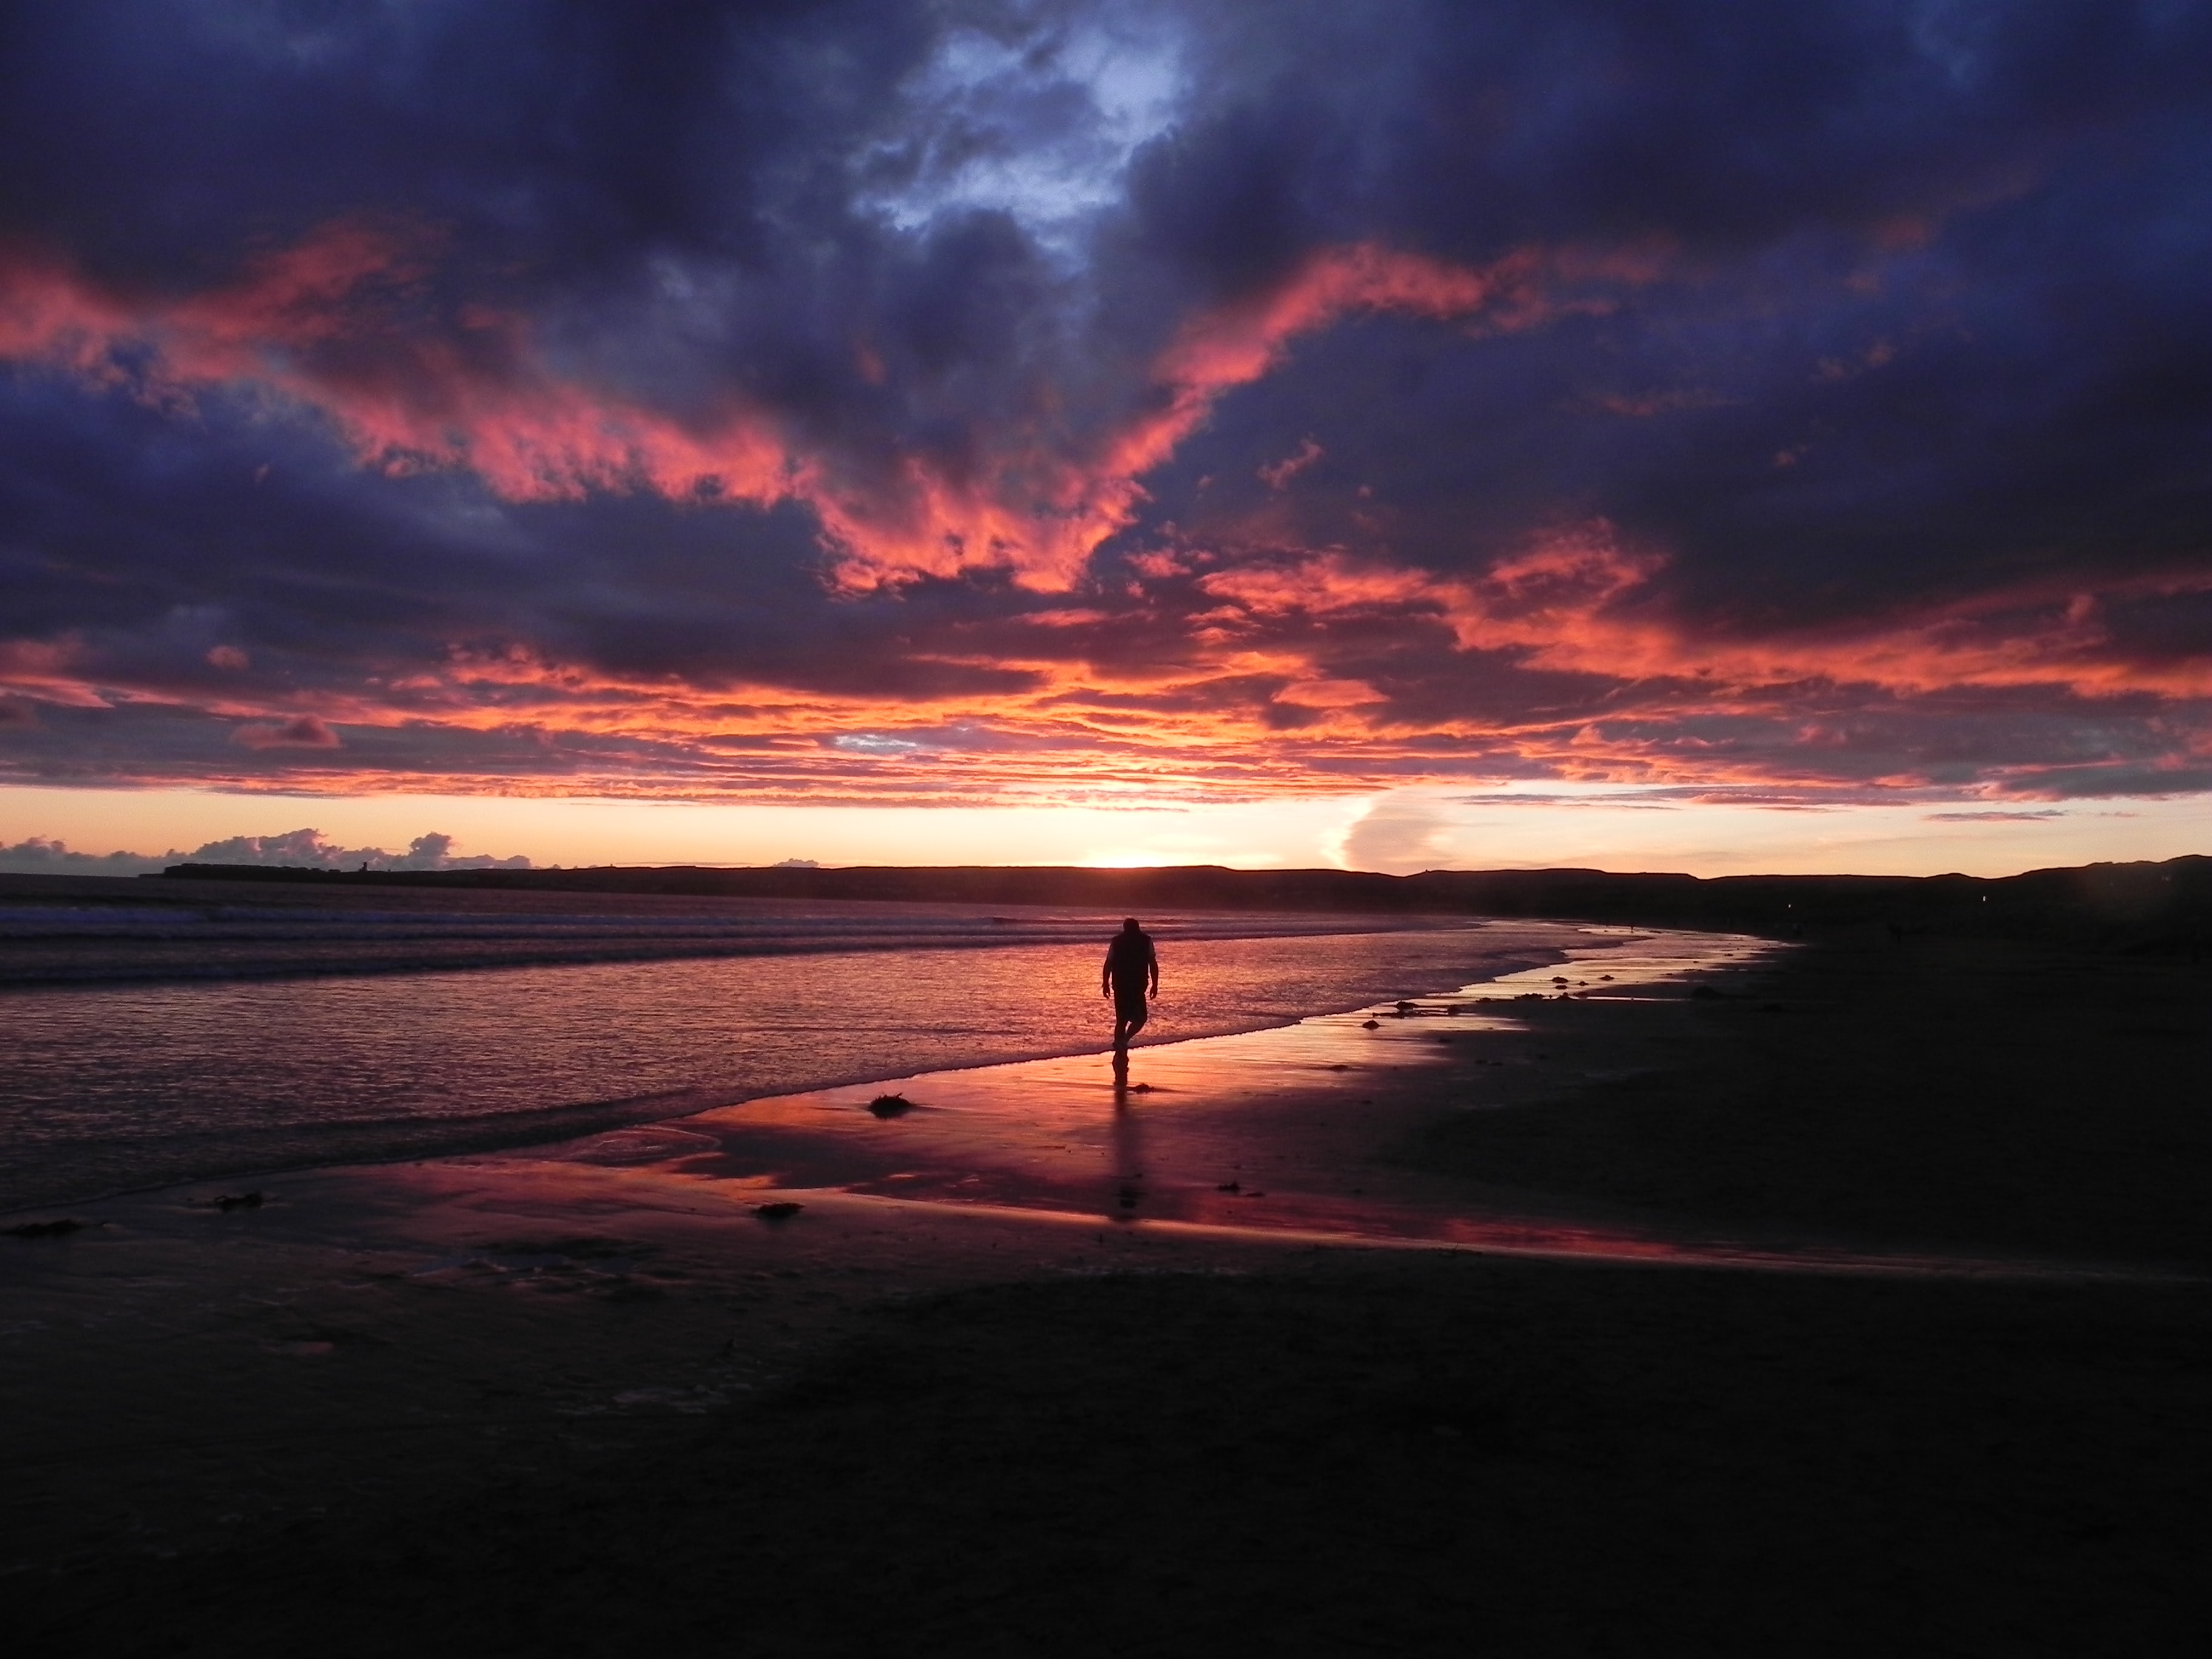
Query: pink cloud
{"points": [[1276, 474], [1039, 509], [344, 323], [339, 323], [306, 732], [51, 670], [1571, 603]]}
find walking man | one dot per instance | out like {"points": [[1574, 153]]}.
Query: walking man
{"points": [[1132, 971]]}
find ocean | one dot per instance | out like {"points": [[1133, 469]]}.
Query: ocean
{"points": [[166, 1048]]}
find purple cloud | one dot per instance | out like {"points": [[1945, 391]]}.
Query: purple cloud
{"points": [[304, 732], [644, 399]]}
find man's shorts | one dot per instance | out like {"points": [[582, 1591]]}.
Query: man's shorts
{"points": [[1128, 1002]]}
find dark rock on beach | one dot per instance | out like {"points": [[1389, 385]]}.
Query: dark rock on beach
{"points": [[57, 1229]]}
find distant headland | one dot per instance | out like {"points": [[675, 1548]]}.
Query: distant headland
{"points": [[2165, 906]]}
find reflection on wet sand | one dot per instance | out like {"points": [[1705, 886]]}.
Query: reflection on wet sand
{"points": [[1298, 1132], [1129, 1149]]}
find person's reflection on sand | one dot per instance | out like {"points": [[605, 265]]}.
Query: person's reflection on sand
{"points": [[1126, 1145], [1131, 970]]}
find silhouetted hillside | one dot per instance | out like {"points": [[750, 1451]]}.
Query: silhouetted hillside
{"points": [[2142, 906]]}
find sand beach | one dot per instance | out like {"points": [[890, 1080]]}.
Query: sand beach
{"points": [[1859, 1303]]}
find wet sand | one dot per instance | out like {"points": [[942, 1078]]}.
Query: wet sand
{"points": [[1020, 1375]]}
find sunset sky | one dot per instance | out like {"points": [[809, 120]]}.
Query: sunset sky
{"points": [[1659, 435]]}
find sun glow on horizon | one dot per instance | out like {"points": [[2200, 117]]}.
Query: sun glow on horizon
{"points": [[1398, 832]]}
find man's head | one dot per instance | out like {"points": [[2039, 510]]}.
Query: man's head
{"points": [[1129, 924]]}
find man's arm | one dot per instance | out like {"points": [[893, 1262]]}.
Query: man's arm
{"points": [[1106, 977], [1153, 966]]}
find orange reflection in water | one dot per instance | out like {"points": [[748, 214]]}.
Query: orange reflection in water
{"points": [[1284, 1135], [1289, 1134]]}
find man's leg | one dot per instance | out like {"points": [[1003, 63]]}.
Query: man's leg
{"points": [[1129, 1020]]}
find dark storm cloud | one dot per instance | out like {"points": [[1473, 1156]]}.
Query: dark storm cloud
{"points": [[1350, 391], [159, 141], [1931, 296]]}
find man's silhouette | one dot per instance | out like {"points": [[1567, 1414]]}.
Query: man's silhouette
{"points": [[1131, 970]]}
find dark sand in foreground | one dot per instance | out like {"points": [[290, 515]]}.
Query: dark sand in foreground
{"points": [[527, 1405]]}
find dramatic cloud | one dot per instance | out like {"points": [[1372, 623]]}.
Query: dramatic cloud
{"points": [[1098, 400]]}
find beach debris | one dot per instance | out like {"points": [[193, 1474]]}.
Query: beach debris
{"points": [[1406, 1007], [230, 1201], [782, 1209], [1704, 993], [1558, 979], [1604, 976], [1230, 1187], [57, 1228], [1140, 1087], [890, 1105], [1370, 1024]]}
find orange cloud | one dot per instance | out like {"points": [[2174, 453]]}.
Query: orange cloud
{"points": [[337, 324], [1237, 343], [1318, 674], [1254, 695], [1264, 715], [1042, 505], [1564, 604], [344, 323]]}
